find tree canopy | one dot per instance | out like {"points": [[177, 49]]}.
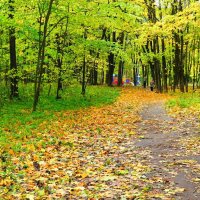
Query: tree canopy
{"points": [[63, 42]]}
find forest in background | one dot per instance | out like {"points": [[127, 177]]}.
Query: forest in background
{"points": [[86, 139], [45, 43]]}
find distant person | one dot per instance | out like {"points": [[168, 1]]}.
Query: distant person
{"points": [[152, 84], [145, 82]]}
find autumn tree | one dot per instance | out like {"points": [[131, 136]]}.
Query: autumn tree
{"points": [[43, 33]]}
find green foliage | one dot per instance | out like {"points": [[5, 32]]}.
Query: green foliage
{"points": [[171, 103], [185, 100], [72, 98]]}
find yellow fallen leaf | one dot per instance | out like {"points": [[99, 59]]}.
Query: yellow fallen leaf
{"points": [[11, 152], [132, 133], [177, 190], [30, 197], [196, 179]]}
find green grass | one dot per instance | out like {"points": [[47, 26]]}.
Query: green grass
{"points": [[18, 120], [185, 100]]}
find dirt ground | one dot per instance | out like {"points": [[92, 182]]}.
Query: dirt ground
{"points": [[166, 139]]}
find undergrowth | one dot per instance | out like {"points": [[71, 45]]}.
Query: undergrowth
{"points": [[18, 121], [185, 104], [185, 100]]}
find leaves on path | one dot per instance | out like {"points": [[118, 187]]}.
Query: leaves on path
{"points": [[174, 150], [86, 154]]}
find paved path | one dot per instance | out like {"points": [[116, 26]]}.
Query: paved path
{"points": [[169, 159]]}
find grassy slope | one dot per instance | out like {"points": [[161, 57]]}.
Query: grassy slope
{"points": [[18, 121], [187, 103]]}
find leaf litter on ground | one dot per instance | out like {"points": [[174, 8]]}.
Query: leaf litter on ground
{"points": [[85, 154]]}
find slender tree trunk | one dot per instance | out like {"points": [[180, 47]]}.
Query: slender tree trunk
{"points": [[176, 61], [120, 72], [164, 64], [197, 70], [175, 43], [84, 77], [164, 67], [41, 55], [95, 78], [147, 49], [181, 65], [59, 83], [60, 51], [171, 62], [134, 69], [194, 70], [102, 76], [94, 74], [198, 64], [59, 66], [111, 63], [111, 67], [157, 66], [186, 68], [179, 50], [121, 62], [94, 71], [13, 57], [49, 91]]}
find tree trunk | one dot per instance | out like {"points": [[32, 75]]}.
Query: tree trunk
{"points": [[59, 66], [41, 55], [151, 64], [121, 62], [181, 66], [111, 64], [13, 59], [164, 67], [198, 64], [157, 66], [186, 68], [120, 73], [84, 77], [95, 77], [111, 67], [59, 84], [176, 61]]}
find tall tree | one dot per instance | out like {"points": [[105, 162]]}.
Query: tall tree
{"points": [[41, 51], [13, 57], [111, 60]]}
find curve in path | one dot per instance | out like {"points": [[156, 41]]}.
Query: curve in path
{"points": [[168, 158]]}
